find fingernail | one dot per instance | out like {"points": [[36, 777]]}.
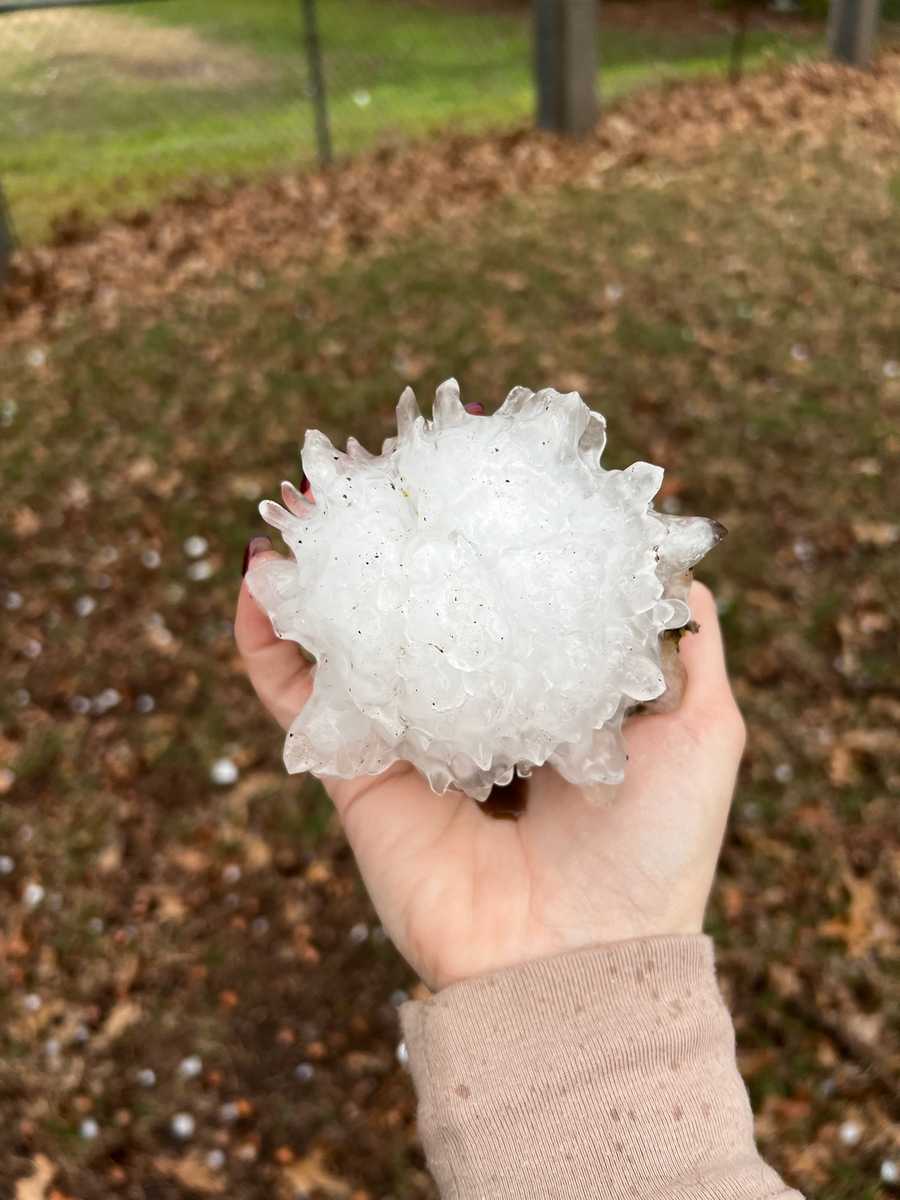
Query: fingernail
{"points": [[476, 409], [255, 546], [304, 483]]}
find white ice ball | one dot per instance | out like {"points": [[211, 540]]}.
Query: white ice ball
{"points": [[481, 598]]}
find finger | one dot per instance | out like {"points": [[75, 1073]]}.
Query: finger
{"points": [[703, 654], [280, 675]]}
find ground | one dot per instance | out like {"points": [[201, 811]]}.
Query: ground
{"points": [[714, 271], [110, 109]]}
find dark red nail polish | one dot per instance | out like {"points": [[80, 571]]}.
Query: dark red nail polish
{"points": [[255, 546], [304, 484], [476, 409]]}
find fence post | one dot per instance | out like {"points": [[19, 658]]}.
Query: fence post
{"points": [[7, 238], [319, 94], [565, 54], [852, 28]]}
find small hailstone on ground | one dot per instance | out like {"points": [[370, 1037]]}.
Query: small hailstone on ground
{"points": [[399, 997], [36, 357], [151, 559], [85, 605], [106, 700], [482, 597], [96, 925], [362, 99], [146, 1077], [784, 773], [89, 1129], [359, 933], [196, 546], [32, 1002], [7, 864], [223, 772], [891, 369], [13, 600], [304, 1072], [402, 1054], [215, 1160], [183, 1125], [231, 873], [890, 1171], [32, 648], [614, 292], [229, 1112], [144, 703], [190, 1067], [22, 697], [33, 895], [850, 1133], [799, 353], [198, 571]]}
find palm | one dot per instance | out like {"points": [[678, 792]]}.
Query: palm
{"points": [[461, 894]]}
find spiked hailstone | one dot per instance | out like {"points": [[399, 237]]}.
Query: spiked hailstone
{"points": [[482, 597]]}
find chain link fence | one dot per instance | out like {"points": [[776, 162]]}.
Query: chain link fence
{"points": [[108, 106]]}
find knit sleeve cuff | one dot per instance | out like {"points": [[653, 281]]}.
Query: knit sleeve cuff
{"points": [[607, 1072]]}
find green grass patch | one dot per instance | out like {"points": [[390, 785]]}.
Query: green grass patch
{"points": [[137, 102]]}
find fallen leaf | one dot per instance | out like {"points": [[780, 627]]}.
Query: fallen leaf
{"points": [[193, 1173], [34, 1186], [863, 925], [303, 1177], [122, 1016], [879, 534]]}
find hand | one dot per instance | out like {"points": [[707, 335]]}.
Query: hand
{"points": [[461, 894]]}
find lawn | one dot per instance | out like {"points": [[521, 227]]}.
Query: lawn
{"points": [[175, 945], [109, 109]]}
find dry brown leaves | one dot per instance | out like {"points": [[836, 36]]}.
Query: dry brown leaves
{"points": [[864, 925], [289, 221], [309, 1175], [193, 1173], [35, 1185]]}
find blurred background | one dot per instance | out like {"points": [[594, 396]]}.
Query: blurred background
{"points": [[221, 224]]}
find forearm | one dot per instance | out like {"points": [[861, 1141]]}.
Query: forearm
{"points": [[606, 1073]]}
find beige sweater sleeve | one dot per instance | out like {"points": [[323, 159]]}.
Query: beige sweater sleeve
{"points": [[607, 1073]]}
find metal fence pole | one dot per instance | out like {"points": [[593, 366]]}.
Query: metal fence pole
{"points": [[7, 238], [565, 49], [852, 28], [317, 81]]}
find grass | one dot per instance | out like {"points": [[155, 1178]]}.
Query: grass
{"points": [[152, 97], [696, 308]]}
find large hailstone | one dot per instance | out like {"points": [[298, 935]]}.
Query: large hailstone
{"points": [[480, 598]]}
